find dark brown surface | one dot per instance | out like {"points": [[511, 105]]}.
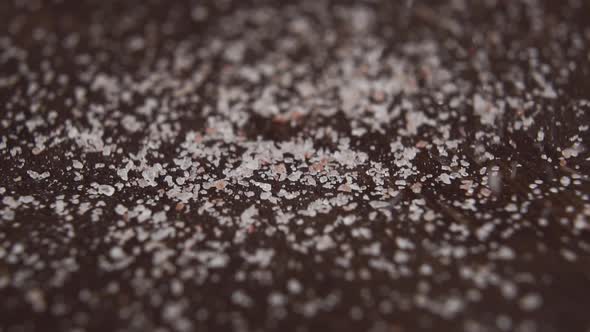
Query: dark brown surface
{"points": [[488, 231]]}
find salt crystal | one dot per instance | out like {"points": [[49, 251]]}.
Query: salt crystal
{"points": [[444, 177], [105, 189], [530, 302], [117, 253]]}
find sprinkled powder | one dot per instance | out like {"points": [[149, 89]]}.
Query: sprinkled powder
{"points": [[301, 165]]}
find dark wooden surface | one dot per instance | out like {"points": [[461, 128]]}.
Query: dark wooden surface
{"points": [[294, 165]]}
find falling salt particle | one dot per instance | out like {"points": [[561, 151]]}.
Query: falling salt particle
{"points": [[242, 299], [117, 253], [199, 13], [570, 152], [403, 243], [565, 181], [530, 302], [277, 299], [509, 290], [130, 123], [105, 189], [325, 242], [218, 261], [379, 204], [37, 300], [151, 173], [344, 187], [506, 253], [569, 255], [120, 209], [263, 186], [184, 163], [123, 172], [295, 176], [426, 269], [77, 164], [495, 182], [36, 176], [486, 111], [452, 306], [219, 185], [26, 199], [444, 177]]}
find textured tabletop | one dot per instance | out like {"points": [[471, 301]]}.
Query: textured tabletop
{"points": [[298, 166]]}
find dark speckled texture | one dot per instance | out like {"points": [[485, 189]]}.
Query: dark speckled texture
{"points": [[294, 166]]}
